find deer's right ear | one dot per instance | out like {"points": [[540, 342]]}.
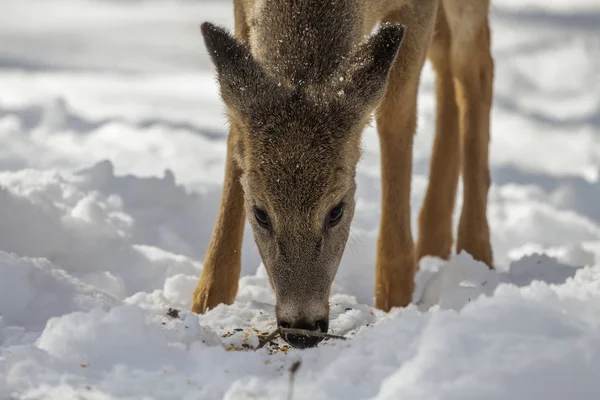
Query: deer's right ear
{"points": [[240, 76]]}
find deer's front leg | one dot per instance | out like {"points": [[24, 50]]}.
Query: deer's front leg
{"points": [[222, 263], [395, 265], [396, 124]]}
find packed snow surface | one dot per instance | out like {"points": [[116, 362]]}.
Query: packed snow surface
{"points": [[112, 146]]}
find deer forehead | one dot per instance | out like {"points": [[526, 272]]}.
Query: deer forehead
{"points": [[304, 184]]}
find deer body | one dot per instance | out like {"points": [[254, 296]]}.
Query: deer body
{"points": [[300, 81]]}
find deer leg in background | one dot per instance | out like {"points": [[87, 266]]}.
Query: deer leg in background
{"points": [[435, 218], [473, 69]]}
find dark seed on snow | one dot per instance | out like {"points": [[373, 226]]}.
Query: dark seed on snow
{"points": [[173, 313]]}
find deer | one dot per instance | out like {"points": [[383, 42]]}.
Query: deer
{"points": [[300, 81]]}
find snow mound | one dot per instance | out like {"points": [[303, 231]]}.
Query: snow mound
{"points": [[100, 228], [509, 342], [33, 290]]}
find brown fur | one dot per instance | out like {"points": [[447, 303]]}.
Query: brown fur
{"points": [[300, 83]]}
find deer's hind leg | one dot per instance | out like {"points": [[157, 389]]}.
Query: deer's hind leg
{"points": [[460, 55], [435, 218], [396, 125], [473, 69]]}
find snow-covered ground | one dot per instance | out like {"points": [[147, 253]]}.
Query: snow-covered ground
{"points": [[112, 145]]}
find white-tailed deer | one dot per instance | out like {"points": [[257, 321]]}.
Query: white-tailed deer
{"points": [[300, 80]]}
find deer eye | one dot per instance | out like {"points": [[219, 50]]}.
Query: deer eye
{"points": [[261, 217], [335, 216]]}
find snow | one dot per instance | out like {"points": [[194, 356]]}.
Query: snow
{"points": [[112, 155]]}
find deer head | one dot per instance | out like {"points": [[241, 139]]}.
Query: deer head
{"points": [[298, 149]]}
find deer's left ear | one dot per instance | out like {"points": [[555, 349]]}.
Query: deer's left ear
{"points": [[371, 64], [241, 78]]}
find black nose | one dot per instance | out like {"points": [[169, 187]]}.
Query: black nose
{"points": [[301, 341]]}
